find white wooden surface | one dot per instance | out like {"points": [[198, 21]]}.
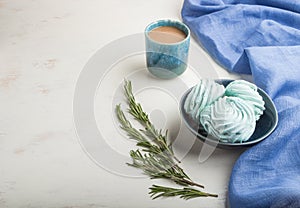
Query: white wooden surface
{"points": [[44, 45]]}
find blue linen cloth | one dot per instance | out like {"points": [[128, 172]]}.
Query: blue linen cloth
{"points": [[261, 38]]}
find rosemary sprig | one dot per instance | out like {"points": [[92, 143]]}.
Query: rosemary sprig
{"points": [[184, 193], [158, 159], [157, 163], [136, 110], [157, 166], [136, 135]]}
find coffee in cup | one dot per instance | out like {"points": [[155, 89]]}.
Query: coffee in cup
{"points": [[167, 34], [167, 46]]}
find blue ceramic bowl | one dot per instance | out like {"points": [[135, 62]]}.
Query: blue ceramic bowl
{"points": [[167, 60], [264, 126]]}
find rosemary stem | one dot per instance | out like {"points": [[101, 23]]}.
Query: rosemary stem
{"points": [[186, 181], [192, 183]]}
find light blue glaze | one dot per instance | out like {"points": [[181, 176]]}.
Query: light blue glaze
{"points": [[167, 60]]}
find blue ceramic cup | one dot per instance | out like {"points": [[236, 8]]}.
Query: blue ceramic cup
{"points": [[167, 60]]}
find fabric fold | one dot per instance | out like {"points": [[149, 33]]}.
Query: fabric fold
{"points": [[225, 29]]}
